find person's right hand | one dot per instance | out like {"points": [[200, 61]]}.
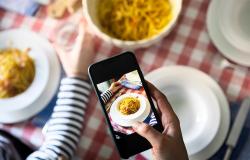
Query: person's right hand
{"points": [[169, 144]]}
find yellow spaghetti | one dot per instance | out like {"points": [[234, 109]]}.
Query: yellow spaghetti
{"points": [[133, 19], [17, 71], [129, 105]]}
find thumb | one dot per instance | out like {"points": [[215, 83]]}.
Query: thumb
{"points": [[148, 132]]}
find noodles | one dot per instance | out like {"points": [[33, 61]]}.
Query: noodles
{"points": [[129, 105], [17, 72], [134, 19]]}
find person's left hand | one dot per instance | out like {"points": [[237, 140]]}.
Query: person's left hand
{"points": [[76, 62], [115, 86]]}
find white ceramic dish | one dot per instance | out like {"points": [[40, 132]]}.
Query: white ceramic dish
{"points": [[195, 105], [215, 33], [128, 120], [14, 39], [198, 111], [90, 13], [31, 105], [199, 77], [234, 23]]}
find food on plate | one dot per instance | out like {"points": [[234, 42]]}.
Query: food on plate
{"points": [[17, 71], [129, 105], [134, 19]]}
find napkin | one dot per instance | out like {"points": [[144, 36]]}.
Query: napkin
{"points": [[131, 85], [26, 7]]}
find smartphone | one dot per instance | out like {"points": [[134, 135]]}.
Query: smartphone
{"points": [[125, 98]]}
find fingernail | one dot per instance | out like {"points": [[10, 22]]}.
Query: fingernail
{"points": [[136, 125]]}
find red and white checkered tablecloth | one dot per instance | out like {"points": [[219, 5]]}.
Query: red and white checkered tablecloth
{"points": [[188, 44]]}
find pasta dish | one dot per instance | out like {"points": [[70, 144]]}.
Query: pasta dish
{"points": [[133, 19], [129, 105], [17, 71]]}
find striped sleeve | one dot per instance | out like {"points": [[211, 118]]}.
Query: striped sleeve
{"points": [[64, 127], [153, 120], [105, 96]]}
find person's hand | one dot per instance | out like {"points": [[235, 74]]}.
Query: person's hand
{"points": [[76, 62], [169, 144], [115, 86]]}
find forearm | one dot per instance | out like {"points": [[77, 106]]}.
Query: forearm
{"points": [[65, 125]]}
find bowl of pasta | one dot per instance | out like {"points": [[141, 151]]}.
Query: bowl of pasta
{"points": [[132, 24], [129, 108], [24, 73]]}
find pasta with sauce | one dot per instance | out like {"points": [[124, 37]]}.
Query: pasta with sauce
{"points": [[134, 19], [129, 105], [17, 71]]}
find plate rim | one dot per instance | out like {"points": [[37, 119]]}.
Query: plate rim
{"points": [[203, 91], [220, 41], [38, 105], [10, 33], [230, 36]]}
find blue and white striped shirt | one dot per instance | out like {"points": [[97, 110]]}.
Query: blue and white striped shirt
{"points": [[64, 127]]}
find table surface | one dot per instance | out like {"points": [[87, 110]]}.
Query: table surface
{"points": [[188, 44]]}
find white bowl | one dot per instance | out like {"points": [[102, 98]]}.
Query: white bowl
{"points": [[21, 39], [235, 24], [160, 78], [90, 9], [128, 120], [195, 105], [218, 38]]}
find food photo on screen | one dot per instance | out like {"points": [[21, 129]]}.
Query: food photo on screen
{"points": [[126, 102]]}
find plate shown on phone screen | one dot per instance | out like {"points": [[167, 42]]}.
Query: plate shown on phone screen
{"points": [[128, 120]]}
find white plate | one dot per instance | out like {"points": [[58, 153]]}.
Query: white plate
{"points": [[218, 38], [198, 76], [14, 39], [195, 105], [41, 44], [128, 120], [235, 25]]}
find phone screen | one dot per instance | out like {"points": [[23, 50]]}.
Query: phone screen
{"points": [[125, 102], [125, 99]]}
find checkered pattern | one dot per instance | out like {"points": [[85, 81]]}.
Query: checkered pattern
{"points": [[188, 44], [119, 128]]}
